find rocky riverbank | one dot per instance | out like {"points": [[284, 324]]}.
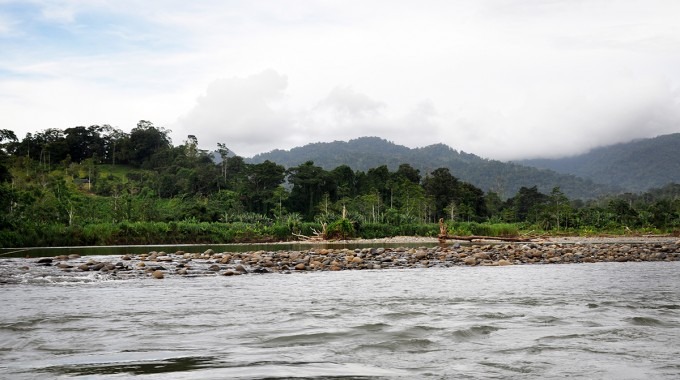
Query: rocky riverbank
{"points": [[209, 263]]}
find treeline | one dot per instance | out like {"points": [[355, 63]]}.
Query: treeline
{"points": [[100, 185]]}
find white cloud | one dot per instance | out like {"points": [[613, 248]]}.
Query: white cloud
{"points": [[499, 78], [244, 113]]}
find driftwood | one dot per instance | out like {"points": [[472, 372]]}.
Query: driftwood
{"points": [[318, 236]]}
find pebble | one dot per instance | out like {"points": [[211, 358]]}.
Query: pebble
{"points": [[328, 259]]}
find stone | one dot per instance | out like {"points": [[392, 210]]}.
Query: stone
{"points": [[482, 256], [240, 268], [157, 274], [300, 266], [470, 261], [503, 262]]}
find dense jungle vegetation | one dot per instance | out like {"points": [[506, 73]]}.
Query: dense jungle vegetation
{"points": [[99, 185]]}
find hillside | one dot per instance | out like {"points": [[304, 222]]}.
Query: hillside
{"points": [[635, 166], [369, 152]]}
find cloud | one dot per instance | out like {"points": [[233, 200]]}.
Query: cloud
{"points": [[347, 104], [502, 79], [244, 113]]}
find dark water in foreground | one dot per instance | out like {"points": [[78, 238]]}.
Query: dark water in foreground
{"points": [[594, 321]]}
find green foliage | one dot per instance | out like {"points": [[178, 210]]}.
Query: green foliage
{"points": [[340, 229], [92, 186]]}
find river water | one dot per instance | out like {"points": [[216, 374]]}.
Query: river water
{"points": [[583, 321]]}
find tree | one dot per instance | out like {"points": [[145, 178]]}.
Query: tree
{"points": [[224, 155], [263, 180], [443, 188], [145, 140], [345, 181], [5, 135], [406, 171], [309, 183], [526, 204], [84, 143], [558, 207]]}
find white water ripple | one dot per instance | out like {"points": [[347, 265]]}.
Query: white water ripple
{"points": [[605, 321]]}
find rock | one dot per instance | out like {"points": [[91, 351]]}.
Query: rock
{"points": [[470, 261], [208, 252], [357, 260], [214, 268], [503, 262], [84, 267], [157, 274], [482, 255], [98, 266], [45, 260], [240, 268], [300, 266], [228, 273]]}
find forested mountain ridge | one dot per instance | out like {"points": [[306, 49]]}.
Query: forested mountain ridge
{"points": [[635, 166], [490, 175]]}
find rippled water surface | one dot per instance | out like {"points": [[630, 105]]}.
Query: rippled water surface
{"points": [[605, 321]]}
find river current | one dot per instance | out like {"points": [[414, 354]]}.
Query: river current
{"points": [[583, 321]]}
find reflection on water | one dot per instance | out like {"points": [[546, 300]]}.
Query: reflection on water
{"points": [[133, 367]]}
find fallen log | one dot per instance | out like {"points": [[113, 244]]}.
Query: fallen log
{"points": [[318, 236]]}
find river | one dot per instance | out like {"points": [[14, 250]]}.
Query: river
{"points": [[583, 321]]}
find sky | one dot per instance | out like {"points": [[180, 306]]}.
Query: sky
{"points": [[503, 79]]}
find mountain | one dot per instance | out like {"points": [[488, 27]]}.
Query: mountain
{"points": [[490, 175], [635, 166]]}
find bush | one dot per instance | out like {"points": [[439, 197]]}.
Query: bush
{"points": [[340, 229]]}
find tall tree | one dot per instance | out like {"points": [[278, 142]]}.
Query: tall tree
{"points": [[5, 135], [309, 184], [145, 140], [263, 180], [443, 188]]}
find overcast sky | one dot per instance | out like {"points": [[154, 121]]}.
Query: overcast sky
{"points": [[503, 79]]}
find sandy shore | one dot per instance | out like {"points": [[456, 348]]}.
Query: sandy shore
{"points": [[547, 239]]}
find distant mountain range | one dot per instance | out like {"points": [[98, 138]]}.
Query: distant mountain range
{"points": [[635, 166], [631, 167], [490, 175]]}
